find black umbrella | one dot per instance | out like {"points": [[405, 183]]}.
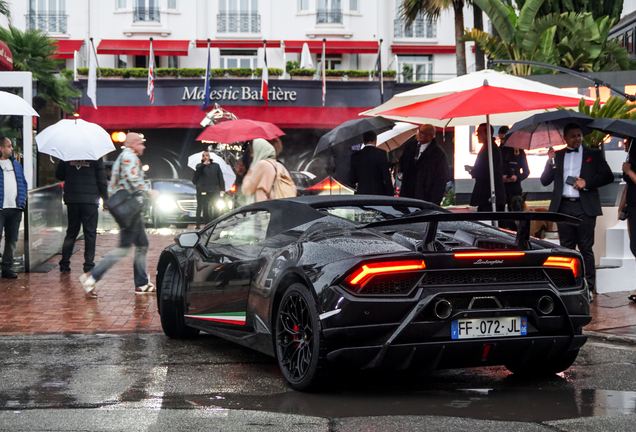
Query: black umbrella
{"points": [[545, 129], [350, 132], [622, 128]]}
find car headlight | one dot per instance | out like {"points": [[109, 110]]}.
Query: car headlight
{"points": [[220, 204], [166, 204]]}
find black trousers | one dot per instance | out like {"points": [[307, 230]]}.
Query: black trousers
{"points": [[631, 223], [10, 219], [205, 205], [86, 217], [581, 236]]}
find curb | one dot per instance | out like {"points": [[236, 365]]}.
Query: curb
{"points": [[610, 337]]}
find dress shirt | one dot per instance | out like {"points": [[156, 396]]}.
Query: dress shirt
{"points": [[571, 167], [422, 147]]}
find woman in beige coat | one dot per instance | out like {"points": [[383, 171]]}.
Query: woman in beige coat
{"points": [[259, 180]]}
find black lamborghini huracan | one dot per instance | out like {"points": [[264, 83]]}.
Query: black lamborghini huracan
{"points": [[377, 282]]}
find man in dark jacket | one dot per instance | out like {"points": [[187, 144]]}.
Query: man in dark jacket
{"points": [[481, 173], [370, 168], [13, 195], [84, 184], [515, 170], [424, 168], [208, 178]]}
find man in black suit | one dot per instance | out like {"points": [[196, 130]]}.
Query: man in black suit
{"points": [[481, 173], [577, 173], [424, 167], [370, 168]]}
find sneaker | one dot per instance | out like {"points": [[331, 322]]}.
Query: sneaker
{"points": [[88, 282], [149, 288]]}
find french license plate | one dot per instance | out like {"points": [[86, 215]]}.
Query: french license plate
{"points": [[192, 214], [489, 327]]}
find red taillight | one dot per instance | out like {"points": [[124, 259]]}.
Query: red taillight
{"points": [[488, 254], [233, 188], [326, 184], [563, 262], [366, 271]]}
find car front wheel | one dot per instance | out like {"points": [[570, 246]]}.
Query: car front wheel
{"points": [[172, 305], [299, 338]]}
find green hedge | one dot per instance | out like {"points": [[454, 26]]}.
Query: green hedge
{"points": [[330, 72], [389, 73], [270, 71], [191, 72], [357, 73], [68, 74], [302, 72], [167, 72], [242, 72]]}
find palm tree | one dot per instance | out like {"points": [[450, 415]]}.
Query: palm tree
{"points": [[432, 9], [32, 51], [4, 9]]}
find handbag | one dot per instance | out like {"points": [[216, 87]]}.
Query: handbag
{"points": [[125, 207]]}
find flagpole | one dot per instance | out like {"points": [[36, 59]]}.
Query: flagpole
{"points": [[324, 75], [151, 74], [380, 68], [96, 60], [265, 76], [206, 99]]}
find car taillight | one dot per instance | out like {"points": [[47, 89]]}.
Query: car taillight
{"points": [[488, 254], [401, 277], [326, 184], [564, 262], [233, 188]]}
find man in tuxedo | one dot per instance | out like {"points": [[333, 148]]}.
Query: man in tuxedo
{"points": [[577, 173], [481, 173], [424, 167], [370, 168]]}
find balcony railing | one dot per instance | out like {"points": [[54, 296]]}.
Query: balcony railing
{"points": [[420, 28], [52, 23], [332, 16], [149, 14], [238, 23]]}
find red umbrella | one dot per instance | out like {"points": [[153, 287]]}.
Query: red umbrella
{"points": [[240, 130]]}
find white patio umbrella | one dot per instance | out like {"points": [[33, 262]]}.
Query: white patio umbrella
{"points": [[394, 138], [480, 97], [11, 104], [305, 58], [228, 174], [74, 139]]}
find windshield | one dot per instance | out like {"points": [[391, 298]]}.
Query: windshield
{"points": [[183, 187], [368, 214]]}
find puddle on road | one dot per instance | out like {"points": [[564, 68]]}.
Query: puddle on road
{"points": [[486, 404]]}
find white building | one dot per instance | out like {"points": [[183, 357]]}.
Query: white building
{"points": [[237, 28]]}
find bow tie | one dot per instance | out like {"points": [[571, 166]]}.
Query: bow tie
{"points": [[570, 150]]}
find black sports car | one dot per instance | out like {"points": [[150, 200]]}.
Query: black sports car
{"points": [[377, 282]]}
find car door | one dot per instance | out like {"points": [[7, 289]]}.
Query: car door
{"points": [[223, 269]]}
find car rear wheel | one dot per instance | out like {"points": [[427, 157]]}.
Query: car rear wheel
{"points": [[299, 338], [546, 367], [172, 306]]}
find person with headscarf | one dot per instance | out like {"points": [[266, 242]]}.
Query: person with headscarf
{"points": [[258, 183]]}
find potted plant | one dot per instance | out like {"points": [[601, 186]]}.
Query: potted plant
{"points": [[357, 75], [191, 72], [334, 74], [271, 72], [166, 73], [239, 73], [304, 74]]}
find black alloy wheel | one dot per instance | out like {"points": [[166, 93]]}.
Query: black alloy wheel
{"points": [[298, 337], [172, 305]]}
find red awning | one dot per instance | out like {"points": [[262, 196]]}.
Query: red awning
{"points": [[142, 47], [6, 57], [334, 47], [189, 116], [237, 44], [423, 49], [66, 48]]}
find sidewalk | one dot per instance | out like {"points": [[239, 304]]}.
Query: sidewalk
{"points": [[45, 303]]}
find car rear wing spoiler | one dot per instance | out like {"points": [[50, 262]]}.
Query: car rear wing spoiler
{"points": [[523, 229]]}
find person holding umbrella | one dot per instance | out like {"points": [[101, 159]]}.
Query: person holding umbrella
{"points": [[481, 173], [370, 168], [577, 173], [13, 195], [627, 207], [515, 170], [208, 178], [84, 184]]}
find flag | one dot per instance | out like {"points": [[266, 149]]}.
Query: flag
{"points": [[265, 81], [151, 74], [324, 76], [206, 98], [378, 65], [91, 90]]}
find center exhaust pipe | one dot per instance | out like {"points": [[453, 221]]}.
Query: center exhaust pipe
{"points": [[442, 309], [545, 305]]}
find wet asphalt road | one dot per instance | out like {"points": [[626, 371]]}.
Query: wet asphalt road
{"points": [[147, 382]]}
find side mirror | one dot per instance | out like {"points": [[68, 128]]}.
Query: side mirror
{"points": [[187, 240]]}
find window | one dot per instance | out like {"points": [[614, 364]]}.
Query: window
{"points": [[121, 4], [172, 4], [142, 61], [47, 15], [420, 28], [241, 229], [303, 5], [415, 68], [353, 5], [239, 59], [146, 10], [328, 12], [173, 61], [238, 16], [629, 41], [333, 61], [121, 61]]}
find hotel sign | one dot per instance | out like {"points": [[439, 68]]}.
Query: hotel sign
{"points": [[239, 93]]}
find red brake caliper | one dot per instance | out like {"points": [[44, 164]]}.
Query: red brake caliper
{"points": [[296, 329]]}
